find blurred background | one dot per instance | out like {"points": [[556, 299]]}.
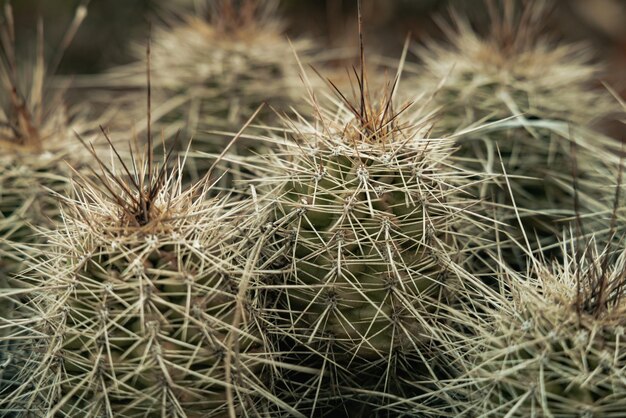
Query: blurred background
{"points": [[110, 26]]}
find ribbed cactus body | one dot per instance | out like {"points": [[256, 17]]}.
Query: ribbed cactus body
{"points": [[366, 216], [135, 316], [363, 252], [165, 314]]}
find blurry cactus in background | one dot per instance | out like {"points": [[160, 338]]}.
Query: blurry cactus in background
{"points": [[536, 99], [514, 69], [35, 135], [214, 66], [36, 139]]}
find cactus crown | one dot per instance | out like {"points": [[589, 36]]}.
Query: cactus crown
{"points": [[515, 34], [374, 121], [146, 196]]}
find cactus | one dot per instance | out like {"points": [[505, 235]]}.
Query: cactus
{"points": [[131, 306], [544, 88], [368, 212], [554, 347], [214, 67], [515, 69], [35, 140], [366, 274], [548, 341]]}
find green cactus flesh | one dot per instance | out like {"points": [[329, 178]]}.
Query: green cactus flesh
{"points": [[355, 253]]}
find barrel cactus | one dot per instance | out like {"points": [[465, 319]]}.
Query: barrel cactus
{"points": [[133, 307], [368, 213]]}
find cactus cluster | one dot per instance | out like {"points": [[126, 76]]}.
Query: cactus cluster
{"points": [[401, 251]]}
